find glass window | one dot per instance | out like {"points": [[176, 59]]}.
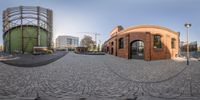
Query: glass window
{"points": [[173, 43], [107, 49], [69, 41], [121, 43], [112, 43], [157, 41]]}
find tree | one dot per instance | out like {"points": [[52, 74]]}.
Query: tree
{"points": [[98, 47], [87, 42], [199, 48], [1, 48]]}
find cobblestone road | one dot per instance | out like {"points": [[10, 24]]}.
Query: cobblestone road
{"points": [[102, 76]]}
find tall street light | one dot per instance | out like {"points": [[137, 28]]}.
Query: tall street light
{"points": [[188, 25]]}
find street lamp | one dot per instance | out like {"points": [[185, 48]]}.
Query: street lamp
{"points": [[188, 25]]}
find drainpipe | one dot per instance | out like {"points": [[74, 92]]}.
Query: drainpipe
{"points": [[116, 47], [128, 44]]}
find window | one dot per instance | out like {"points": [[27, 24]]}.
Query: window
{"points": [[173, 43], [112, 43], [69, 41], [121, 43], [107, 49], [157, 41]]}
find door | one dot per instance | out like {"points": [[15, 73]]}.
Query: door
{"points": [[137, 50]]}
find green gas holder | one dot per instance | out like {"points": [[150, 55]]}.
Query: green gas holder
{"points": [[26, 27]]}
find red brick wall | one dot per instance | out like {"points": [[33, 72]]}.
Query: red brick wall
{"points": [[147, 36]]}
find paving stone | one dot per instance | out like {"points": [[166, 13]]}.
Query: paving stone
{"points": [[105, 77]]}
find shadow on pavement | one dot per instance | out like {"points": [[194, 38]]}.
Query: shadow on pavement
{"points": [[29, 60]]}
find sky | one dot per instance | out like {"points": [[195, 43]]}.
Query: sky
{"points": [[72, 17]]}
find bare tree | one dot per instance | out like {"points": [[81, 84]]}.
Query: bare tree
{"points": [[199, 48], [87, 42]]}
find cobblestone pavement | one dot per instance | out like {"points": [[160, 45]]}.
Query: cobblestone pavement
{"points": [[103, 77]]}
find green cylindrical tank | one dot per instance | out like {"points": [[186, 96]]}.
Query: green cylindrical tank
{"points": [[16, 44], [26, 27]]}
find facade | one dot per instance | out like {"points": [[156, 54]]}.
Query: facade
{"points": [[148, 42], [26, 27], [193, 46], [67, 42]]}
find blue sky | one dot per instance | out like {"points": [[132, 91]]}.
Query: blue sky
{"points": [[74, 16]]}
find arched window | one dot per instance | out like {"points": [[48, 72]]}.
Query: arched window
{"points": [[112, 43], [157, 43], [173, 43], [107, 49], [121, 43]]}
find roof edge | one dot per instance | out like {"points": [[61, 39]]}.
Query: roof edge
{"points": [[149, 26]]}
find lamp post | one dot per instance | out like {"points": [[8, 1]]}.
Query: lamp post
{"points": [[187, 25]]}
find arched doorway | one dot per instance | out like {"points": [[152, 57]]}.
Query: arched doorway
{"points": [[137, 49]]}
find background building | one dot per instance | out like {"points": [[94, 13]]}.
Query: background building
{"points": [[26, 27], [146, 42], [193, 46], [67, 42]]}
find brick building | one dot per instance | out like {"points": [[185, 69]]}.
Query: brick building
{"points": [[148, 42]]}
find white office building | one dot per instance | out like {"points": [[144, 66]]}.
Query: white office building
{"points": [[67, 42]]}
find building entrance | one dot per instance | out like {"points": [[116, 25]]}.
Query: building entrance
{"points": [[137, 50]]}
